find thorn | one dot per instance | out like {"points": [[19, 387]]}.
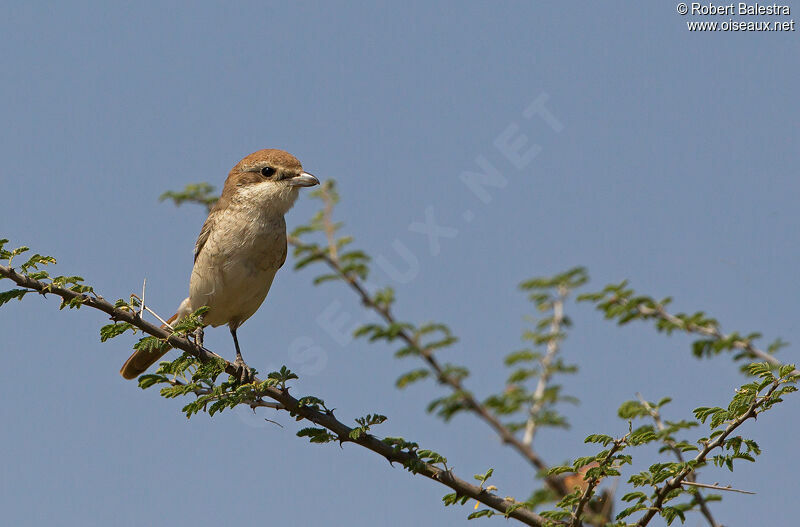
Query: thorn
{"points": [[142, 304]]}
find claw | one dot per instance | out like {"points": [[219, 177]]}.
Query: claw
{"points": [[243, 372], [198, 337]]}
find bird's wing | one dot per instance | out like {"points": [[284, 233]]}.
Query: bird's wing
{"points": [[204, 233], [283, 256]]}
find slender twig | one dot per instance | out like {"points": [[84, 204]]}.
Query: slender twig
{"points": [[145, 308], [701, 501], [329, 226], [716, 486], [289, 403], [709, 330], [717, 442], [544, 377]]}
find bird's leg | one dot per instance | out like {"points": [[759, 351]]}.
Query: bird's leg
{"points": [[243, 371]]}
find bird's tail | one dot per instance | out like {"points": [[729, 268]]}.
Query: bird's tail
{"points": [[138, 363]]}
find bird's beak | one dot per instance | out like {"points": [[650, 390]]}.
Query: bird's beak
{"points": [[303, 179]]}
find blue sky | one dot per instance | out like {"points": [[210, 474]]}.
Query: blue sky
{"points": [[674, 166]]}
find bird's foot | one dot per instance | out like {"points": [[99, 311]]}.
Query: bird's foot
{"points": [[198, 336], [243, 372]]}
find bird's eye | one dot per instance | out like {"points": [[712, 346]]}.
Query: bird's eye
{"points": [[267, 171]]}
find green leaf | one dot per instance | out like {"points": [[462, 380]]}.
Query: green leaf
{"points": [[599, 438], [326, 278], [308, 260], [431, 457], [759, 369], [453, 498], [786, 369], [201, 193], [311, 401], [630, 510], [487, 513], [7, 296], [520, 356], [702, 413], [632, 410], [151, 379], [670, 513], [282, 376], [36, 260], [485, 476], [559, 469], [638, 495], [411, 377], [150, 343], [109, 331], [317, 435]]}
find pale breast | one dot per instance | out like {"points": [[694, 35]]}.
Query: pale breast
{"points": [[235, 268]]}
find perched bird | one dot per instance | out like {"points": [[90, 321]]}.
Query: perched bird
{"points": [[240, 248]]}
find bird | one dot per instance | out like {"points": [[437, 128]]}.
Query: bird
{"points": [[241, 246]]}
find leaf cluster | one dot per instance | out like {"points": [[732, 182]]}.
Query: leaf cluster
{"points": [[31, 269], [536, 401], [200, 193], [619, 302]]}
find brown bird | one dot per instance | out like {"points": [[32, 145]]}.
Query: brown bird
{"points": [[240, 248]]}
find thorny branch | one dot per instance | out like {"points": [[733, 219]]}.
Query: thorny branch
{"points": [[507, 437], [654, 413], [717, 442], [325, 419]]}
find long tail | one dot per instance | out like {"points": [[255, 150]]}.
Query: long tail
{"points": [[138, 363]]}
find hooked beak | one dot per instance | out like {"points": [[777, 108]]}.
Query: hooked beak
{"points": [[303, 179]]}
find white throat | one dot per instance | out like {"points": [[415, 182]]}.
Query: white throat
{"points": [[267, 197]]}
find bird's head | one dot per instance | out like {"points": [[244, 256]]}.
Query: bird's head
{"points": [[267, 178]]}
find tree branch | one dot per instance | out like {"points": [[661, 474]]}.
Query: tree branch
{"points": [[544, 377], [654, 413], [717, 442], [592, 483], [507, 437], [709, 330], [288, 403]]}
